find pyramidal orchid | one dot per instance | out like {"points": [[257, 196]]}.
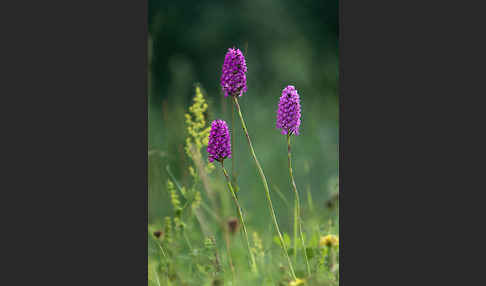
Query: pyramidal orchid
{"points": [[233, 83], [288, 120], [219, 148], [233, 77], [288, 114]]}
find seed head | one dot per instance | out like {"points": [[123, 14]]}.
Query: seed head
{"points": [[233, 77], [158, 233], [288, 114], [219, 144], [233, 225]]}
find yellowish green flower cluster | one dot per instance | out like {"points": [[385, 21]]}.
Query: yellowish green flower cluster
{"points": [[257, 248], [197, 200], [209, 243], [197, 130], [168, 229], [329, 240], [198, 135], [179, 224], [196, 125], [174, 197]]}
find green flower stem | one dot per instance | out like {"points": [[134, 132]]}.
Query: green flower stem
{"points": [[265, 185], [162, 249], [228, 249], [233, 154], [296, 221], [297, 214], [240, 214], [330, 257], [187, 239]]}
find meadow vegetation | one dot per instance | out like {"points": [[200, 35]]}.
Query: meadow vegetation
{"points": [[195, 236]]}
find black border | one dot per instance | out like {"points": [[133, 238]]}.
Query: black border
{"points": [[78, 75], [78, 72]]}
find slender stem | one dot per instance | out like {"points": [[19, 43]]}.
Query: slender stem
{"points": [[226, 235], [199, 215], [162, 249], [228, 249], [330, 257], [187, 240], [166, 258], [284, 199], [240, 214], [216, 256], [233, 155], [296, 227], [156, 276], [265, 185], [211, 212], [298, 220], [198, 162]]}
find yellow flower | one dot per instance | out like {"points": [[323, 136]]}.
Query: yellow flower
{"points": [[174, 197], [329, 240], [258, 246], [197, 130], [296, 282], [195, 123], [197, 200]]}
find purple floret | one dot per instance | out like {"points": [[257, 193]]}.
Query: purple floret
{"points": [[219, 145], [233, 78], [288, 114]]}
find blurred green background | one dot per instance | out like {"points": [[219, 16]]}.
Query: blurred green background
{"points": [[285, 42]]}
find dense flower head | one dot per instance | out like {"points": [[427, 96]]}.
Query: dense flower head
{"points": [[329, 240], [233, 77], [288, 114], [219, 145]]}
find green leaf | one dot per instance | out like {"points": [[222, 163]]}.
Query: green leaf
{"points": [[287, 239]]}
